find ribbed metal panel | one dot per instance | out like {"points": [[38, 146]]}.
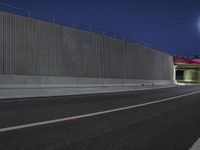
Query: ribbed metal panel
{"points": [[33, 47], [1, 45]]}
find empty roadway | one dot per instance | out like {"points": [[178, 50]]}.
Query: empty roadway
{"points": [[173, 123]]}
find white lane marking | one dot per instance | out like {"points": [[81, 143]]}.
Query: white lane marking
{"points": [[196, 145], [91, 114], [22, 99]]}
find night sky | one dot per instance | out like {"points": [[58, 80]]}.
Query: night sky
{"points": [[173, 26]]}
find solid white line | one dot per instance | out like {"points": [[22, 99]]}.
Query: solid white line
{"points": [[91, 114], [196, 145], [23, 99]]}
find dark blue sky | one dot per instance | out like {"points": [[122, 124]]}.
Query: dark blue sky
{"points": [[171, 25]]}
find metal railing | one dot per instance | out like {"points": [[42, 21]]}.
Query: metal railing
{"points": [[62, 21]]}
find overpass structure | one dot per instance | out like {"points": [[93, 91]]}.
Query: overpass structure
{"points": [[36, 53], [187, 69]]}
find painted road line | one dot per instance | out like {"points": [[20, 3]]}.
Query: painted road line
{"points": [[196, 145], [35, 98], [91, 114]]}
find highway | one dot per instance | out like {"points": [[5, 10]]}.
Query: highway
{"points": [[156, 119]]}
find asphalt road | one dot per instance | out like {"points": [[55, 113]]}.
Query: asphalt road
{"points": [[164, 122]]}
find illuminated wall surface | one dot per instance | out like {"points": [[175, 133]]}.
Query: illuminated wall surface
{"points": [[33, 47], [192, 75]]}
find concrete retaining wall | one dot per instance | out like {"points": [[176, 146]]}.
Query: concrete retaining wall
{"points": [[38, 48]]}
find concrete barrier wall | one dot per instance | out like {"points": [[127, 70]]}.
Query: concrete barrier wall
{"points": [[38, 48], [21, 81]]}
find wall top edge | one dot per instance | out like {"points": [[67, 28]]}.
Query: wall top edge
{"points": [[71, 28]]}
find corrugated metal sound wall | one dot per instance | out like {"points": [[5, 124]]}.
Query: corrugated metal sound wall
{"points": [[33, 47]]}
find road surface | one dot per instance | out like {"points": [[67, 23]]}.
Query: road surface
{"points": [[157, 119]]}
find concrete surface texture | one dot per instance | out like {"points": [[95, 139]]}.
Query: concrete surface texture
{"points": [[21, 81], [192, 75], [33, 47], [12, 93]]}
